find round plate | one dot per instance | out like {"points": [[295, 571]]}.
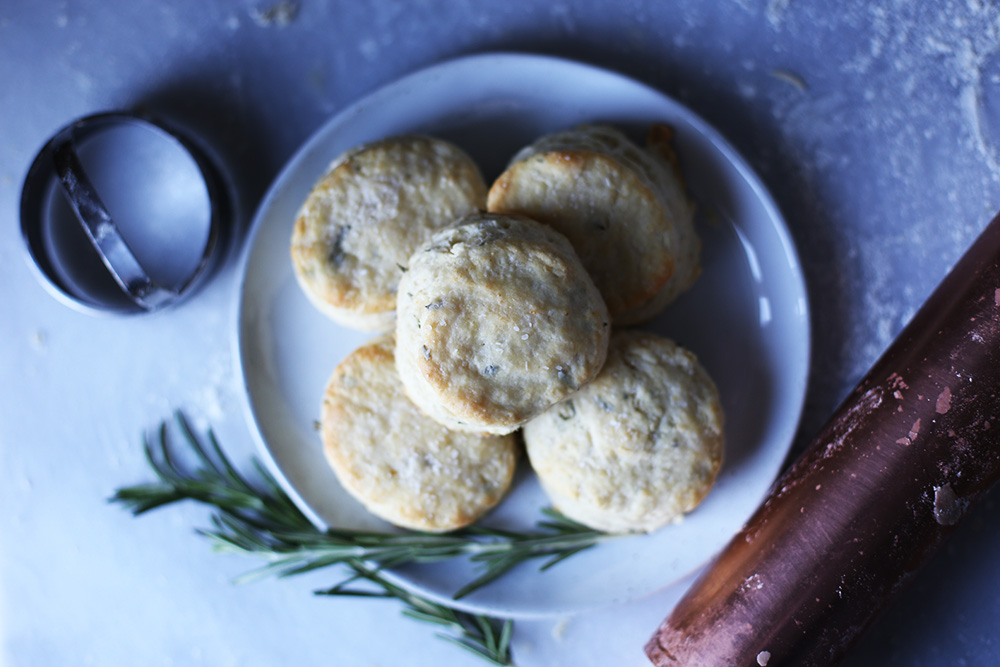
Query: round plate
{"points": [[746, 319]]}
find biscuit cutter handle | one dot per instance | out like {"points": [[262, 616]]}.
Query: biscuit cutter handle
{"points": [[102, 231]]}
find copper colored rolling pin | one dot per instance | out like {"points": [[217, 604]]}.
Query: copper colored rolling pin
{"points": [[885, 481]]}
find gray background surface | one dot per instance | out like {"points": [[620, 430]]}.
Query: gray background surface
{"points": [[876, 127]]}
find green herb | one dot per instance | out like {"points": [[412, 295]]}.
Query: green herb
{"points": [[259, 518], [335, 254], [484, 636]]}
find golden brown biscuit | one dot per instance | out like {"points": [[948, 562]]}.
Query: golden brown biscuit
{"points": [[366, 216], [638, 446], [403, 466], [622, 207], [497, 321]]}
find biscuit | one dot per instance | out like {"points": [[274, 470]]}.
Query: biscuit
{"points": [[497, 321], [638, 446], [364, 218], [401, 465], [622, 207]]}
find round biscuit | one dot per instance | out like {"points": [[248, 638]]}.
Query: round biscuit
{"points": [[640, 445], [497, 321], [364, 218], [621, 206], [401, 465]]}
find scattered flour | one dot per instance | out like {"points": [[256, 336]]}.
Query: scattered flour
{"points": [[369, 48], [279, 14], [912, 42], [775, 12], [917, 111], [211, 400], [559, 629], [562, 13], [39, 341]]}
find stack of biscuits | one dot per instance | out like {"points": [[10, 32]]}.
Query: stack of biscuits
{"points": [[501, 315]]}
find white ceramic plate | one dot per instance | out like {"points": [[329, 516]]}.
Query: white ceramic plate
{"points": [[746, 319]]}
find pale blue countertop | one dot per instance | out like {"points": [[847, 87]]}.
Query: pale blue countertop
{"points": [[876, 126]]}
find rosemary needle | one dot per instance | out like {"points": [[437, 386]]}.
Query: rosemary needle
{"points": [[259, 518]]}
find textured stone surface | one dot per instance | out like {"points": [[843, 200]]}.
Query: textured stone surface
{"points": [[876, 128]]}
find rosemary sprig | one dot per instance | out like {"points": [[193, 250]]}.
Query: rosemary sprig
{"points": [[259, 518], [486, 637], [295, 552]]}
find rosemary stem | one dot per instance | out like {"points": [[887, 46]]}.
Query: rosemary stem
{"points": [[259, 519]]}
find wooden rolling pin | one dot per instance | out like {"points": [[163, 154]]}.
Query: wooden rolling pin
{"points": [[886, 480]]}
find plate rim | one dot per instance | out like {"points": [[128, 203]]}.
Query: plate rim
{"points": [[318, 135]]}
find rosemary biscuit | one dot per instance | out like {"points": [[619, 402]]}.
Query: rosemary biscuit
{"points": [[364, 218], [497, 321], [403, 466], [621, 206], [638, 446]]}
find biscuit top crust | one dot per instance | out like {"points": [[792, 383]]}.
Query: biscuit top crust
{"points": [[621, 206], [639, 445], [403, 466], [497, 320], [357, 229]]}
